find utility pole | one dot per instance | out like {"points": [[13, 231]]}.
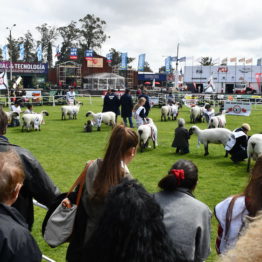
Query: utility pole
{"points": [[177, 57]]}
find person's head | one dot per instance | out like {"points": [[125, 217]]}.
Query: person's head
{"points": [[253, 191], [130, 228], [246, 127], [29, 107], [207, 106], [141, 102], [11, 177], [71, 88], [17, 103], [183, 173], [113, 91], [127, 91], [3, 122], [181, 122], [121, 149]]}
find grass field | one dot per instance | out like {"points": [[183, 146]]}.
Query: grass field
{"points": [[63, 148]]}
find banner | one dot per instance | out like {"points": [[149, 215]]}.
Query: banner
{"points": [[174, 58], [3, 80], [259, 62], [20, 67], [182, 59], [168, 64], [95, 62], [109, 57], [233, 60], [5, 52], [58, 53], [39, 53], [249, 61], [123, 65], [21, 52], [237, 108], [73, 53], [242, 60], [89, 55], [141, 62]]}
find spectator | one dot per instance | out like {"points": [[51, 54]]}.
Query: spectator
{"points": [[209, 112], [138, 92], [16, 108], [111, 103], [37, 184], [147, 104], [232, 211], [140, 112], [181, 138], [126, 103], [100, 177], [29, 109], [130, 229], [237, 144], [16, 242], [70, 96], [187, 220]]}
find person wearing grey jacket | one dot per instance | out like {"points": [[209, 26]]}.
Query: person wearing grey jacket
{"points": [[187, 220]]}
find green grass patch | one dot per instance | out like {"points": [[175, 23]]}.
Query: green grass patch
{"points": [[62, 147]]}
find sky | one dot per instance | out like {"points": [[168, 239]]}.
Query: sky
{"points": [[225, 28]]}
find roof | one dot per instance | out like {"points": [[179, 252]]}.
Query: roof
{"points": [[104, 76]]}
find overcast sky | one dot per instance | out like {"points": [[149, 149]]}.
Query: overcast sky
{"points": [[224, 28]]}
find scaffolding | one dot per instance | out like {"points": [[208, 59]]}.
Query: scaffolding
{"points": [[69, 74]]}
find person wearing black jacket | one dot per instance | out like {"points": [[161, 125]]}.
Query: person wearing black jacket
{"points": [[16, 242], [111, 103], [126, 103], [37, 183], [147, 104]]}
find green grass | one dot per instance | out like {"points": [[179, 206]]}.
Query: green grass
{"points": [[63, 148]]}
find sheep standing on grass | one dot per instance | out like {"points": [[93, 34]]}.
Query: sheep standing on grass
{"points": [[33, 121], [70, 110], [214, 136], [196, 114], [254, 148], [218, 121], [11, 116], [107, 118], [146, 132], [165, 112]]}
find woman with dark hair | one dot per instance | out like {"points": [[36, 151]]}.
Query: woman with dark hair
{"points": [[101, 176], [187, 220], [232, 212], [130, 229]]}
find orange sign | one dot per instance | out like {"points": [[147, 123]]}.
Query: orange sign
{"points": [[95, 62]]}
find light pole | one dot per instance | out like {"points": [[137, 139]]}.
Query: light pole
{"points": [[11, 68]]}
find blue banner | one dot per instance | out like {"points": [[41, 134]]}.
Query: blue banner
{"points": [[21, 52], [4, 52], [174, 58], [109, 57], [58, 53], [168, 64], [89, 55], [39, 53], [123, 65], [182, 59], [73, 53], [141, 62]]}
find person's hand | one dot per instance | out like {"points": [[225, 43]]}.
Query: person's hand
{"points": [[66, 203]]}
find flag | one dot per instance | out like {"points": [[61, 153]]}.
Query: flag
{"points": [[174, 58], [259, 62], [242, 60], [109, 57], [3, 80], [21, 52], [224, 61], [233, 60], [4, 52], [182, 59], [39, 53], [141, 62], [89, 55], [168, 64], [123, 65], [73, 53], [58, 53], [249, 61]]}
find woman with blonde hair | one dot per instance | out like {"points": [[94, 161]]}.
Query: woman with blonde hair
{"points": [[101, 176], [140, 112]]}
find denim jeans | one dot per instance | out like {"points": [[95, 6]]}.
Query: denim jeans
{"points": [[130, 121]]}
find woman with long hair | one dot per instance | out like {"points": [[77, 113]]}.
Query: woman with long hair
{"points": [[232, 211], [140, 112], [187, 220], [101, 176]]}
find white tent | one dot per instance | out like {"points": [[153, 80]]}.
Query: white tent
{"points": [[104, 81]]}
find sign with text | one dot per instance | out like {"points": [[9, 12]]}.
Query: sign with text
{"points": [[95, 62], [237, 108], [89, 55], [19, 67], [73, 53]]}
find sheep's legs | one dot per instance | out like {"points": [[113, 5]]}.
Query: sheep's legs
{"points": [[226, 155], [206, 149], [248, 163]]}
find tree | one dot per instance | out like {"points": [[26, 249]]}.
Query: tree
{"points": [[28, 41], [13, 48], [206, 61], [147, 67], [92, 34], [69, 35], [48, 35], [116, 57]]}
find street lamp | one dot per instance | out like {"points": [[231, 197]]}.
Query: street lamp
{"points": [[10, 50]]}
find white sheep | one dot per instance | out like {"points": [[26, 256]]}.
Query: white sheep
{"points": [[70, 110], [33, 121], [165, 112], [146, 132], [214, 136], [196, 114], [218, 121], [108, 118], [254, 148], [11, 115], [174, 110]]}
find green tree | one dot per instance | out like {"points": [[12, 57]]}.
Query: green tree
{"points": [[13, 48], [206, 61], [48, 36], [147, 67], [116, 57], [69, 35], [28, 41]]}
